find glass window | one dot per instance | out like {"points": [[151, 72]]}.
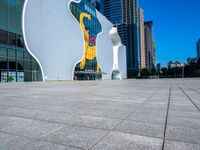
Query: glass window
{"points": [[11, 76], [26, 55], [3, 63], [12, 39], [34, 75], [20, 4], [27, 65], [12, 65], [20, 65], [3, 16], [13, 58], [12, 19], [3, 52], [19, 41], [4, 76], [12, 53], [3, 36], [27, 76], [34, 65], [39, 75], [20, 54], [20, 76]]}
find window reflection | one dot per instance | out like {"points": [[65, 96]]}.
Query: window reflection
{"points": [[16, 64], [88, 68]]}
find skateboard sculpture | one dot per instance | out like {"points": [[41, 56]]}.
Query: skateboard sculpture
{"points": [[116, 41]]}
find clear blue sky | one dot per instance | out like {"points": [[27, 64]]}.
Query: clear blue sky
{"points": [[176, 27]]}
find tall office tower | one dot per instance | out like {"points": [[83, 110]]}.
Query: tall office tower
{"points": [[198, 48], [141, 39], [153, 54], [150, 58], [124, 14], [92, 2]]}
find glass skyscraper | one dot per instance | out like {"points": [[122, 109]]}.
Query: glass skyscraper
{"points": [[150, 49], [16, 64], [112, 9], [124, 14], [198, 48]]}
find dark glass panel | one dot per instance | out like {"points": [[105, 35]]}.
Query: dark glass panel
{"points": [[12, 39], [12, 54], [20, 65], [27, 76], [20, 41], [3, 36], [12, 65], [3, 63], [34, 65], [20, 54], [27, 55], [27, 65]]}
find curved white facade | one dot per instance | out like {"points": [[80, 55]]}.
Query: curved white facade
{"points": [[55, 39]]}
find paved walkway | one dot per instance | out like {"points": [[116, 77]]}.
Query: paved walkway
{"points": [[102, 115]]}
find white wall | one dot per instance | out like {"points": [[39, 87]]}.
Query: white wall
{"points": [[105, 47], [53, 36], [55, 39], [122, 61]]}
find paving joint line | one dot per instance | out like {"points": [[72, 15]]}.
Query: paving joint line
{"points": [[193, 89], [188, 97], [36, 138], [33, 139], [60, 123], [175, 140], [167, 115], [125, 118], [154, 137], [38, 109]]}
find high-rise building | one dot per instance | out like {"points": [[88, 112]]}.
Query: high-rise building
{"points": [[150, 48], [198, 48], [159, 67], [93, 2], [112, 10], [191, 60], [153, 54], [175, 64], [141, 39], [124, 14]]}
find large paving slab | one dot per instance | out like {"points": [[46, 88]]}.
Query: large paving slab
{"points": [[121, 141], [119, 115]]}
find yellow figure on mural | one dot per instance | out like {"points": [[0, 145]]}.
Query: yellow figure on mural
{"points": [[89, 51]]}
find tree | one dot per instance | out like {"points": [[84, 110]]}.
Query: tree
{"points": [[198, 63], [187, 71], [164, 72], [144, 73], [153, 71]]}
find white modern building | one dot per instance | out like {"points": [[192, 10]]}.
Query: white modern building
{"points": [[70, 40]]}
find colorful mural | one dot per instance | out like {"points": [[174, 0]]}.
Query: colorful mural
{"points": [[85, 13]]}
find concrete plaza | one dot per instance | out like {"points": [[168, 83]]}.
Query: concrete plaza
{"points": [[101, 115]]}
